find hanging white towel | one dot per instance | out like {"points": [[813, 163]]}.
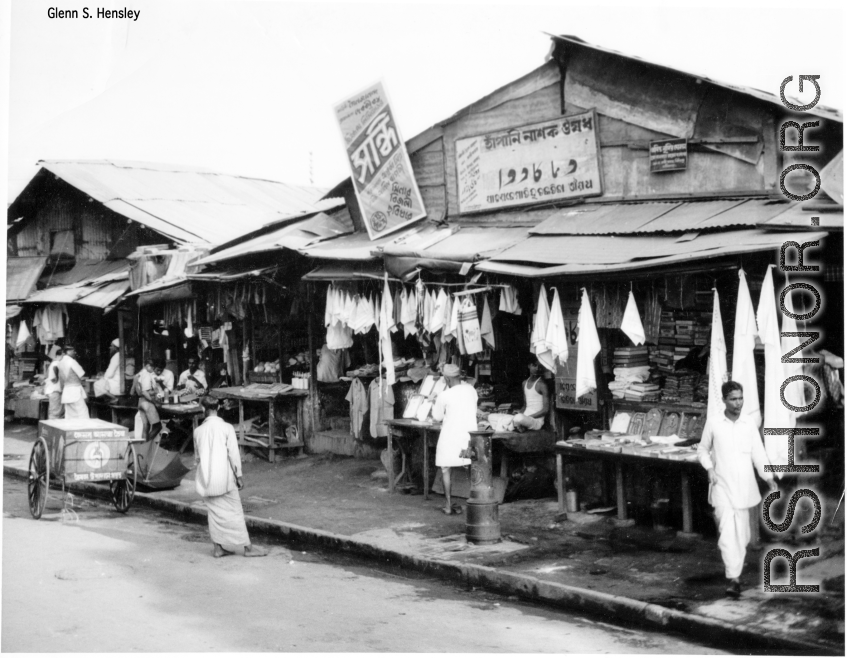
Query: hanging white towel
{"points": [[631, 323], [438, 318], [744, 340], [776, 413], [386, 315], [557, 337], [538, 339], [469, 327], [328, 308], [588, 347], [23, 334], [485, 327], [717, 364], [509, 301]]}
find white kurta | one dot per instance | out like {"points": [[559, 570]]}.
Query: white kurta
{"points": [[185, 382], [73, 394], [456, 408], [218, 462], [733, 449]]}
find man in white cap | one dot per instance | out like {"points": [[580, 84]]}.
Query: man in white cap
{"points": [[110, 382], [456, 407]]}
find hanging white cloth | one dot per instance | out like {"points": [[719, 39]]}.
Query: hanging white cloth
{"points": [[587, 348], [485, 327], [776, 413], [438, 315], [795, 392], [631, 323], [339, 337], [557, 337], [509, 301], [386, 313], [538, 340], [23, 334], [328, 308], [469, 326], [717, 363], [744, 340], [409, 313]]}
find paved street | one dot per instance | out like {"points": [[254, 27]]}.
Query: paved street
{"points": [[94, 580]]}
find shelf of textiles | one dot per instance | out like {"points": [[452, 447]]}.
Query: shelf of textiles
{"points": [[22, 368], [679, 333]]}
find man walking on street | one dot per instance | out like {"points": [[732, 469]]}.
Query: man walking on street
{"points": [[219, 480], [456, 406], [730, 450], [73, 394], [53, 388]]}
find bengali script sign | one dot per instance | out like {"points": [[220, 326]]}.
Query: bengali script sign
{"points": [[382, 174], [668, 155], [557, 159]]}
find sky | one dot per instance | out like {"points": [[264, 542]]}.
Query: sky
{"points": [[248, 88]]}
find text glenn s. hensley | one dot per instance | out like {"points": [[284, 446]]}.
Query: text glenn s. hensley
{"points": [[99, 12]]}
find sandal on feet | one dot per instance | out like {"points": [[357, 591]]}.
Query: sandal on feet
{"points": [[221, 552], [457, 509], [254, 551]]}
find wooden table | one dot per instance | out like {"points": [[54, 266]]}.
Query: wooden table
{"points": [[269, 441], [618, 459]]}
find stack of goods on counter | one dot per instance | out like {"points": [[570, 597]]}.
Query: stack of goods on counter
{"points": [[632, 374], [679, 387]]}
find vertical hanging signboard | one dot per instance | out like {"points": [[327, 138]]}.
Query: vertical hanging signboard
{"points": [[382, 174], [566, 375]]}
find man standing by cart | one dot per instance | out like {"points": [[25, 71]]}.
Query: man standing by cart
{"points": [[456, 406], [73, 394], [53, 387], [730, 450], [219, 479]]}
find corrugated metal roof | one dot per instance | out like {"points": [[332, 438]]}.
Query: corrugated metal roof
{"points": [[658, 217], [104, 296], [186, 204], [21, 276], [346, 271], [819, 110], [357, 246], [797, 217], [85, 270], [291, 236], [466, 244], [101, 291], [560, 255]]}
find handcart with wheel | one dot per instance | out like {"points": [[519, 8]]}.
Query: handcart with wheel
{"points": [[82, 450]]}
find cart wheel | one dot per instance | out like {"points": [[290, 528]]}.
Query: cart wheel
{"points": [[39, 478], [123, 491]]}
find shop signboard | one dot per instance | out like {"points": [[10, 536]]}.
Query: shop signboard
{"points": [[556, 159], [382, 174], [668, 155], [566, 375]]}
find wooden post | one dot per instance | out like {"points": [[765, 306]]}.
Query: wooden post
{"points": [[560, 486], [621, 491], [389, 467], [271, 428], [122, 347], [313, 366], [686, 503]]}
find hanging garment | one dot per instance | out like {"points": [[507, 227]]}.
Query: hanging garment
{"points": [[557, 336], [485, 327], [23, 334], [398, 309], [448, 331], [776, 413], [631, 324], [795, 392], [437, 323], [717, 364], [331, 364], [410, 314], [509, 301], [538, 339], [744, 340], [587, 348], [384, 402], [329, 306], [469, 326], [357, 396], [387, 351], [339, 337]]}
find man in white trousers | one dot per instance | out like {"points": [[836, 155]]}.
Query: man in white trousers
{"points": [[730, 450]]}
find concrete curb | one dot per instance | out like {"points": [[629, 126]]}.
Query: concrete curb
{"points": [[586, 601]]}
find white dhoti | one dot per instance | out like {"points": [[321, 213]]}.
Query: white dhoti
{"points": [[226, 519], [54, 406], [73, 397], [101, 387], [733, 531]]}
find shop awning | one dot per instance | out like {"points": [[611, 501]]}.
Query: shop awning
{"points": [[799, 216], [346, 272], [291, 236], [85, 270], [358, 246], [21, 276], [457, 247], [545, 256], [176, 291], [100, 293], [659, 217]]}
